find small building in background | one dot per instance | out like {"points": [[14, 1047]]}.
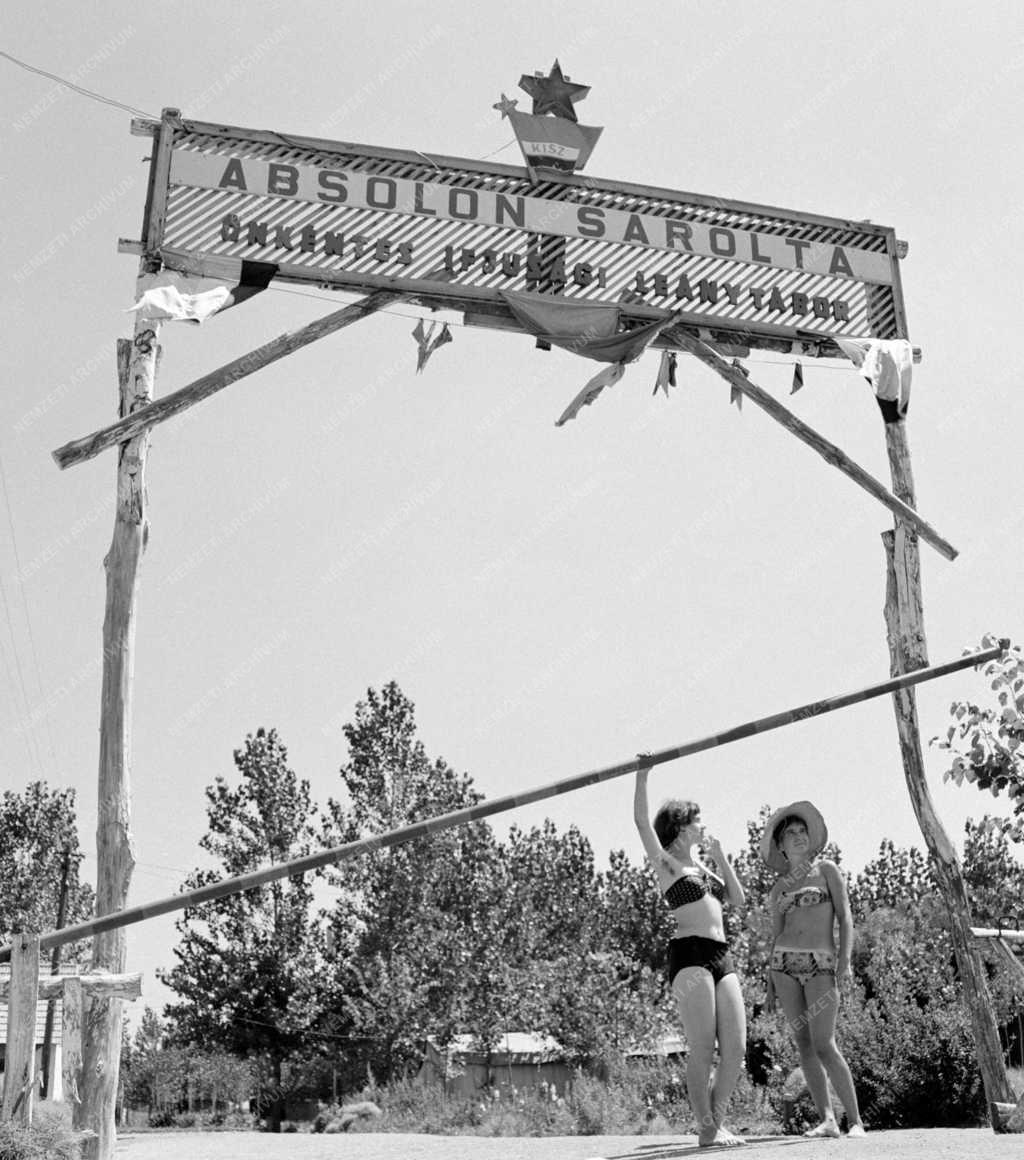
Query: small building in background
{"points": [[520, 1059], [56, 1091], [666, 1047]]}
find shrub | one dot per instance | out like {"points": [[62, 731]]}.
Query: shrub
{"points": [[50, 1137]]}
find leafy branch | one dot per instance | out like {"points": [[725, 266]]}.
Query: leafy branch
{"points": [[986, 742]]}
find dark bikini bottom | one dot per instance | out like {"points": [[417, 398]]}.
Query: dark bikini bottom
{"points": [[694, 951]]}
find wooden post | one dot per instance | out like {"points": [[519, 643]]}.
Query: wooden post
{"points": [[71, 1041], [101, 1029], [20, 1063], [54, 968], [908, 650]]}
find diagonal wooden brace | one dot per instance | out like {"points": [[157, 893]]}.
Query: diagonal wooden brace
{"points": [[79, 450], [827, 450]]}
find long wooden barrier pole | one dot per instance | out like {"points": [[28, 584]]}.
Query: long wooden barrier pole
{"points": [[499, 805]]}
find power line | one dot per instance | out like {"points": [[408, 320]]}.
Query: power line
{"points": [[76, 88]]}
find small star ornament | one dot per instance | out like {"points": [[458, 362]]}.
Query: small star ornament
{"points": [[505, 106], [553, 93]]}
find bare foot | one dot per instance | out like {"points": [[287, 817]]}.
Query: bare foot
{"points": [[857, 1130], [719, 1138], [827, 1128]]}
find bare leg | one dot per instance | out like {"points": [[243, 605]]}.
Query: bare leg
{"points": [[795, 1004], [823, 1007], [694, 992], [731, 1022]]}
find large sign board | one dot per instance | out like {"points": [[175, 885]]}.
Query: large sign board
{"points": [[456, 233]]}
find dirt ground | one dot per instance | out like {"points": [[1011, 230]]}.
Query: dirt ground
{"points": [[931, 1144]]}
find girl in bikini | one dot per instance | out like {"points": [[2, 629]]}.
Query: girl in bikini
{"points": [[700, 968], [806, 969]]}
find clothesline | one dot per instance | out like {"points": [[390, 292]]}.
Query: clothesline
{"points": [[783, 361]]}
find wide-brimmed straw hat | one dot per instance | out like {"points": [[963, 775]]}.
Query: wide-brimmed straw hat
{"points": [[817, 833]]}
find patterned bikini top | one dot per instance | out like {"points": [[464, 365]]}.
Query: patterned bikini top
{"points": [[808, 896], [692, 888]]}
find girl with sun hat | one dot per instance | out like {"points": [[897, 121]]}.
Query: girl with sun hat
{"points": [[806, 968]]}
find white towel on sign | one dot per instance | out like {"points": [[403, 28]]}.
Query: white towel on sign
{"points": [[887, 364], [168, 302]]}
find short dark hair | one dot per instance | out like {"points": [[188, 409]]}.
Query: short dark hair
{"points": [[783, 823], [673, 817]]}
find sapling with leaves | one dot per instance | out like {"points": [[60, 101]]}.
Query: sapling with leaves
{"points": [[986, 741]]}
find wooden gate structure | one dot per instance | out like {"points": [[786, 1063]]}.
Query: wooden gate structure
{"points": [[707, 276]]}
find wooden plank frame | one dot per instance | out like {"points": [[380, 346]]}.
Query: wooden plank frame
{"points": [[184, 229]]}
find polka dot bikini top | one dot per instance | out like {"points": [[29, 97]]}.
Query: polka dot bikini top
{"points": [[692, 888]]}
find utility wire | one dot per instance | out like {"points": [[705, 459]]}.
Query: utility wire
{"points": [[76, 88]]}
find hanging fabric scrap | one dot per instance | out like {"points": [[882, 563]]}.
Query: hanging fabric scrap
{"points": [[666, 372], [798, 377], [172, 297], [888, 365], [596, 332], [735, 394], [606, 378], [426, 342]]}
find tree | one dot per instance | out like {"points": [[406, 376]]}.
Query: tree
{"points": [[986, 742], [994, 876], [246, 963], [635, 921], [408, 916], [896, 879], [155, 1075], [38, 832]]}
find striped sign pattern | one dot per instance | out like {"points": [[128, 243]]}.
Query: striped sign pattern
{"points": [[439, 255]]}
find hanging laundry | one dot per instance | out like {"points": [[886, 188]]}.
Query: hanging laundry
{"points": [[426, 341], [666, 372], [169, 296], [888, 365], [592, 331]]}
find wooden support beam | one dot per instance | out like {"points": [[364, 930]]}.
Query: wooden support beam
{"points": [[150, 414], [115, 856], [827, 450], [500, 805], [20, 1060], [71, 1041], [106, 986], [908, 650]]}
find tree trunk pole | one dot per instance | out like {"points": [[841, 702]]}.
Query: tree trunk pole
{"points": [[908, 650], [20, 1058], [101, 1030]]}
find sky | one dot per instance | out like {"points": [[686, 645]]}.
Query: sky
{"points": [[552, 599]]}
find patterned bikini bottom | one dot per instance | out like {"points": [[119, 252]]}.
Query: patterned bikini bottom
{"points": [[802, 964]]}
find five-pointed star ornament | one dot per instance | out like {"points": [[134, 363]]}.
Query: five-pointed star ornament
{"points": [[505, 106], [553, 93]]}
